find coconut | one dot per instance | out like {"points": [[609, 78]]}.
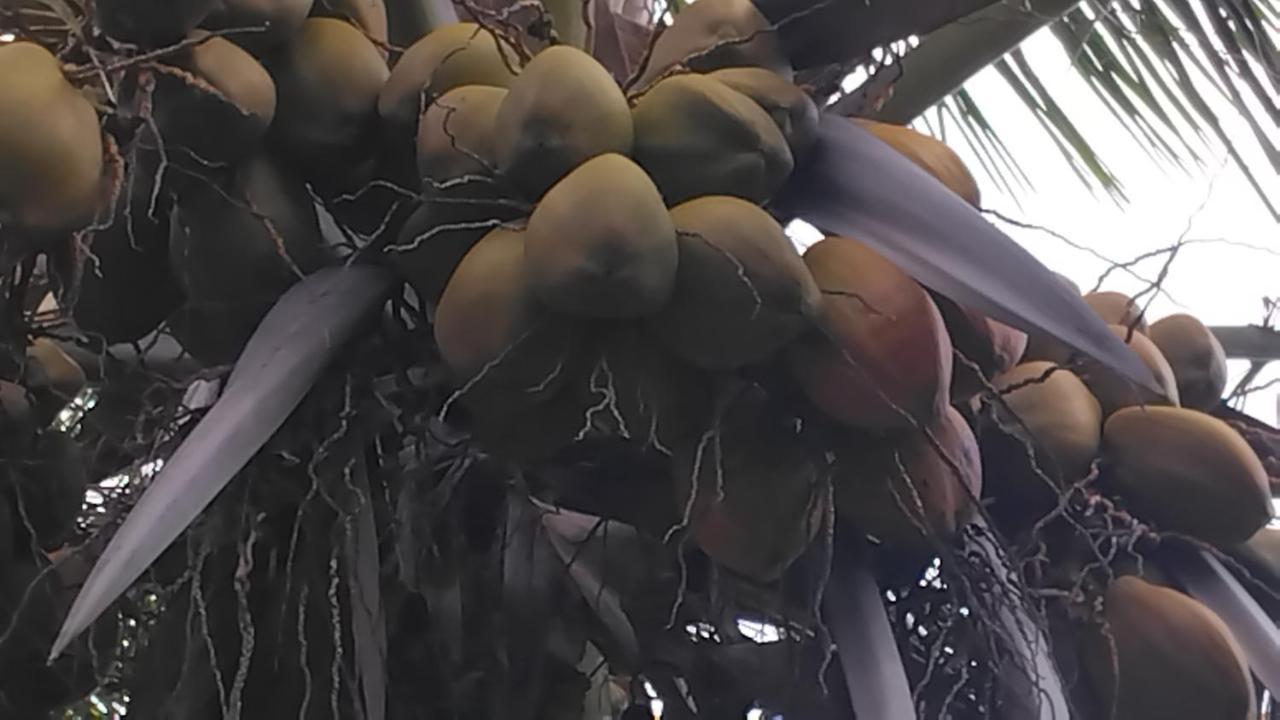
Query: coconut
{"points": [[1162, 655], [368, 15], [1115, 391], [601, 244], [328, 77], [266, 23], [440, 233], [234, 251], [792, 110], [742, 291], [151, 23], [1196, 356], [215, 104], [1187, 472], [717, 34], [50, 143], [695, 136], [750, 489], [563, 110], [991, 346], [456, 135], [450, 56], [881, 358], [1117, 309], [913, 489], [929, 154]]}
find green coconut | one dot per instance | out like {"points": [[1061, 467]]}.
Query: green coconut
{"points": [[714, 34], [267, 23], [328, 79], [1196, 356], [792, 110], [880, 357], [1187, 472], [750, 488], [456, 135], [911, 489], [151, 23], [450, 56], [742, 291], [695, 136], [601, 244], [51, 156], [562, 110], [213, 104], [235, 250]]}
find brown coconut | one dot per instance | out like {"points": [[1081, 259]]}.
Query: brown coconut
{"points": [[448, 57], [750, 488], [1117, 309], [235, 250], [1196, 356], [456, 134], [714, 34], [989, 344], [930, 154], [1055, 409], [1164, 656], [695, 136], [328, 78], [50, 144], [214, 104], [914, 488], [742, 291], [1187, 472], [562, 110], [791, 108], [1115, 391], [601, 244], [881, 358]]}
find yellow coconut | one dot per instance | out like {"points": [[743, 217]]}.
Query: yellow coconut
{"points": [[742, 291], [1117, 309], [913, 489], [368, 15], [562, 110], [1197, 359], [1161, 655], [1187, 472], [450, 56], [601, 244], [328, 78], [455, 135], [930, 154], [50, 143], [792, 110], [1115, 391], [750, 489], [695, 136], [715, 34], [215, 104], [881, 358]]}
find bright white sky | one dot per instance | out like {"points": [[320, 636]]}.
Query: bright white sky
{"points": [[1222, 283]]}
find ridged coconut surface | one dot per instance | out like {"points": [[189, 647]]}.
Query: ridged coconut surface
{"points": [[1176, 660], [908, 490], [930, 154], [1196, 356], [563, 110], [601, 243], [455, 135], [881, 358], [450, 56], [742, 291], [1187, 472], [1114, 391], [328, 78], [50, 143], [216, 104], [792, 110], [717, 34], [695, 136], [756, 495]]}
